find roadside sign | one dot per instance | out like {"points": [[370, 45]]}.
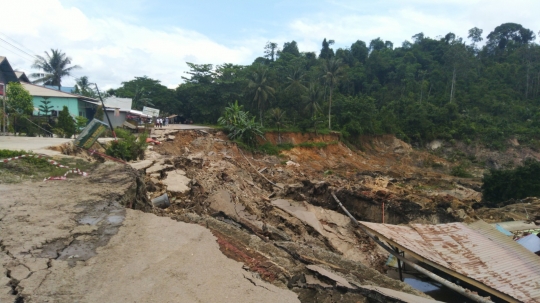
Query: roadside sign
{"points": [[150, 111], [90, 134]]}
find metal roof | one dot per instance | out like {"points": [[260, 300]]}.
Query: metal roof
{"points": [[477, 253], [7, 70], [41, 91], [517, 225]]}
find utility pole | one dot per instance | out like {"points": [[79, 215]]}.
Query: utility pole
{"points": [[105, 111], [3, 91]]}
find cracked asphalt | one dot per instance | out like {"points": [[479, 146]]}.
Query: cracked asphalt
{"points": [[73, 241]]}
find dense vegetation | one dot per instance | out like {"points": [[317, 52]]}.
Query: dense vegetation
{"points": [[445, 87], [518, 183]]}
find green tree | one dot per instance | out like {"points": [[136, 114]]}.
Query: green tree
{"points": [[19, 99], [55, 66], [260, 88], [326, 51], [270, 50], [66, 123], [312, 98], [45, 107], [332, 72], [291, 48], [83, 87], [278, 118]]}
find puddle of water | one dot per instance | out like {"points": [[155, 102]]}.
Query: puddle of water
{"points": [[436, 291], [115, 219], [91, 220]]}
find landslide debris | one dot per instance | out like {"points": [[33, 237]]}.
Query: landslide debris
{"points": [[276, 214]]}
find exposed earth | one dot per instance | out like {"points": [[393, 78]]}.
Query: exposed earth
{"points": [[241, 227]]}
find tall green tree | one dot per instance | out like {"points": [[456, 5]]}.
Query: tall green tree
{"points": [[83, 87], [55, 66], [19, 99], [332, 72], [260, 88]]}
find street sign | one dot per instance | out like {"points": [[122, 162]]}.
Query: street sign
{"points": [[90, 134], [150, 111]]}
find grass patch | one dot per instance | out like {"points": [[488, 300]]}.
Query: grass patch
{"points": [[36, 168]]}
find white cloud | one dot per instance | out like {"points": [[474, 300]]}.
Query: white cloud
{"points": [[108, 50], [346, 21]]}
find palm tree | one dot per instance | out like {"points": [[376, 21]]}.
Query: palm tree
{"points": [[82, 87], [278, 116], [332, 72], [140, 100], [258, 84], [54, 66], [295, 79], [312, 98]]}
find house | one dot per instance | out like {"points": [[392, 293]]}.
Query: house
{"points": [[7, 74], [76, 104]]}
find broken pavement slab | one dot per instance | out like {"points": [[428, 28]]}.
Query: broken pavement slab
{"points": [[340, 281], [177, 183], [157, 167], [141, 164]]}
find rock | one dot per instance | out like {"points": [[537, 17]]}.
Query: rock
{"points": [[177, 183], [435, 144], [170, 137], [292, 163], [141, 164], [461, 214]]}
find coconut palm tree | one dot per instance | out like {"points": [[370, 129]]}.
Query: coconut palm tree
{"points": [[82, 87], [278, 117], [312, 98], [295, 78], [55, 66], [331, 73], [261, 89]]}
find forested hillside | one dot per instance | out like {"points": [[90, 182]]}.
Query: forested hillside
{"points": [[480, 87]]}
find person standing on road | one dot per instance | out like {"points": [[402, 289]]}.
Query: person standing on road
{"points": [[166, 121]]}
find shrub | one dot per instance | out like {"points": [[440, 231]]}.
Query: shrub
{"points": [[518, 183], [239, 125], [66, 123], [461, 171], [128, 147]]}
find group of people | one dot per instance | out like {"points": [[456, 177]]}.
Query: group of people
{"points": [[160, 122]]}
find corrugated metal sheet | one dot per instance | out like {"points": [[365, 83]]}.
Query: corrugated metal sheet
{"points": [[517, 225], [477, 251]]}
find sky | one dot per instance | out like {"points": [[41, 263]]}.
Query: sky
{"points": [[116, 40]]}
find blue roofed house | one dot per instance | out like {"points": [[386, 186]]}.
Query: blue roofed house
{"points": [[76, 104]]}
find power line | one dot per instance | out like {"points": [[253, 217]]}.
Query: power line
{"points": [[32, 56], [25, 58], [20, 44]]}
